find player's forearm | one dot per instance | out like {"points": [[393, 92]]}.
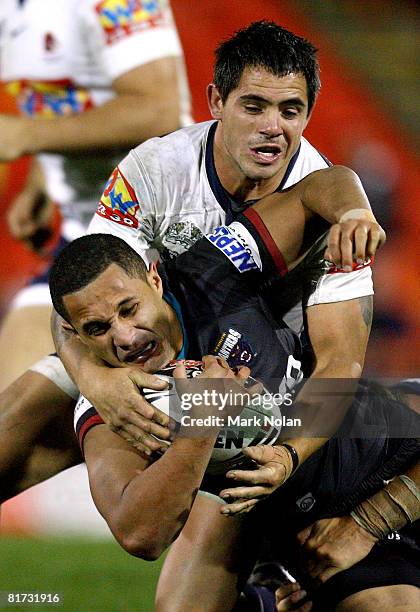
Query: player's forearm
{"points": [[321, 407], [323, 401], [334, 191], [123, 122], [338, 333], [156, 503]]}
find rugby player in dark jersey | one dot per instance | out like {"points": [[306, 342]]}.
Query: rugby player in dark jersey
{"points": [[231, 302]]}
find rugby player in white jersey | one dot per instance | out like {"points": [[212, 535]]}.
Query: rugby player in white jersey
{"points": [[91, 80]]}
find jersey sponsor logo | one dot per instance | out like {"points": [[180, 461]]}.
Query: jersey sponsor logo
{"points": [[333, 269], [306, 502], [234, 348], [119, 202], [223, 239], [50, 98], [121, 18], [183, 233]]}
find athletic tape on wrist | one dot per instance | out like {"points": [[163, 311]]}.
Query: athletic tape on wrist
{"points": [[390, 509], [406, 496]]}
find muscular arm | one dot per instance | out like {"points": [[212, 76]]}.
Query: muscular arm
{"points": [[146, 105], [335, 194], [338, 333], [147, 508], [144, 508]]}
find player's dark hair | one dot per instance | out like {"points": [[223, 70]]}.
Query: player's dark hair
{"points": [[267, 45], [84, 259]]}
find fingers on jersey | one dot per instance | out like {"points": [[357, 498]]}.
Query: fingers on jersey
{"points": [[288, 595]]}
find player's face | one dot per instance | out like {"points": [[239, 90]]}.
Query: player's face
{"points": [[261, 124], [125, 321]]}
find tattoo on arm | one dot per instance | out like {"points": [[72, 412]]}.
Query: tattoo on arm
{"points": [[366, 307]]}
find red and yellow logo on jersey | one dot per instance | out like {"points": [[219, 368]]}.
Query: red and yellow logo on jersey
{"points": [[50, 98], [119, 202], [120, 18]]}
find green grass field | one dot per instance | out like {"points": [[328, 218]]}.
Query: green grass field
{"points": [[91, 575]]}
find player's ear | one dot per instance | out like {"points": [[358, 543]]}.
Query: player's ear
{"points": [[214, 101], [154, 279]]}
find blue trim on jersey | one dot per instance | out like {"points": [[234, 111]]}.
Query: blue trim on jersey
{"points": [[289, 169], [173, 302], [217, 188], [326, 160]]}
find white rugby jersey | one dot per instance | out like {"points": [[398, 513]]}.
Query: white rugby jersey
{"points": [[166, 194], [60, 57]]}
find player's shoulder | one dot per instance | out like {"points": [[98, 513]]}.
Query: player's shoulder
{"points": [[180, 150]]}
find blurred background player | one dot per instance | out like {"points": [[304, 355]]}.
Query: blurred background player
{"points": [[91, 79]]}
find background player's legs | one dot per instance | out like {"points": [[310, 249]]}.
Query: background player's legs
{"points": [[399, 597], [36, 432], [206, 562], [25, 337]]}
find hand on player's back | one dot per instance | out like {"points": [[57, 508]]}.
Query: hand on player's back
{"points": [[332, 545], [288, 597], [115, 393]]}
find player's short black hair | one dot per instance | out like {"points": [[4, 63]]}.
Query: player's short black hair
{"points": [[84, 259], [267, 45]]}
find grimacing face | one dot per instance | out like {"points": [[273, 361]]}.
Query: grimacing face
{"points": [[125, 320], [261, 123]]}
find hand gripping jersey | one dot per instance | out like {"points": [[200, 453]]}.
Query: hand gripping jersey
{"points": [[60, 57]]}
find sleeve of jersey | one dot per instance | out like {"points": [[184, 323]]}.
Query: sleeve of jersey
{"points": [[338, 286], [126, 208], [249, 246], [130, 33], [85, 417]]}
